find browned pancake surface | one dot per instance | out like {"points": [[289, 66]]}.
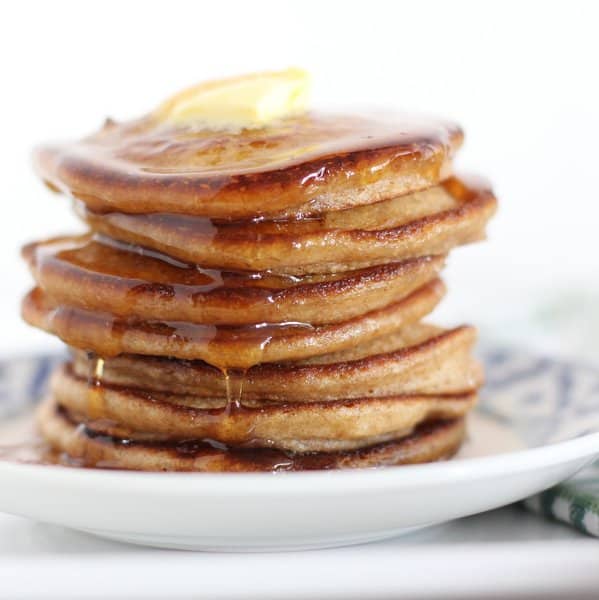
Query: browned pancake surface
{"points": [[125, 280], [418, 359], [429, 222], [429, 442], [303, 164], [223, 346], [252, 300]]}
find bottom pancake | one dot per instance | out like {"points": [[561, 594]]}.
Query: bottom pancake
{"points": [[82, 445]]}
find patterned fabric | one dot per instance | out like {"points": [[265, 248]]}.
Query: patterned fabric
{"points": [[575, 502], [23, 381], [546, 401], [541, 400]]}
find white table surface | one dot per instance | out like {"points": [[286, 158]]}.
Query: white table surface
{"points": [[506, 553]]}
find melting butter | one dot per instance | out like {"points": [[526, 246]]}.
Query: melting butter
{"points": [[245, 102]]}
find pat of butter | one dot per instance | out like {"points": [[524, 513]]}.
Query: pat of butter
{"points": [[246, 102]]}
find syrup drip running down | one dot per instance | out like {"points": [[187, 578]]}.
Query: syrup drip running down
{"points": [[136, 268], [96, 409], [234, 379], [95, 388]]}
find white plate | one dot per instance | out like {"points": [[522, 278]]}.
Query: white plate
{"points": [[536, 425]]}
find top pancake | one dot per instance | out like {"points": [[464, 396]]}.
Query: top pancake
{"points": [[298, 166]]}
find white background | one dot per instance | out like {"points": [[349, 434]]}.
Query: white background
{"points": [[521, 77]]}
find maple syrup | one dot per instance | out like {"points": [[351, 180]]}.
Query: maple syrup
{"points": [[206, 184], [144, 166]]}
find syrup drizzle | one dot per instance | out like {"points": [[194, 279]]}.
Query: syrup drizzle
{"points": [[130, 279], [190, 170], [169, 278], [145, 154], [96, 408], [95, 387], [234, 379]]}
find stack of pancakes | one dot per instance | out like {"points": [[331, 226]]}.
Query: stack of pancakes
{"points": [[253, 300]]}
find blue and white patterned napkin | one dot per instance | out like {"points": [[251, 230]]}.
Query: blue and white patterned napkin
{"points": [[545, 401], [575, 502]]}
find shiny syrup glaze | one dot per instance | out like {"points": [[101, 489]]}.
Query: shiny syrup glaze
{"points": [[95, 393], [300, 245], [146, 269], [256, 458], [174, 277], [210, 230], [21, 443], [93, 273], [148, 166], [137, 265], [241, 346], [304, 151]]}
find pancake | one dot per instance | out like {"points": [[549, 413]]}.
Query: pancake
{"points": [[419, 359], [299, 427], [252, 299], [225, 347], [429, 442], [301, 165], [429, 222], [99, 275]]}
